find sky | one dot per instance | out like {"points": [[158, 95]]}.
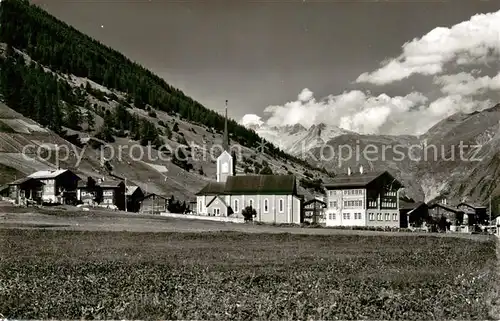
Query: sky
{"points": [[375, 67]]}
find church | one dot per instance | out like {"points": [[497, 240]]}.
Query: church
{"points": [[274, 197]]}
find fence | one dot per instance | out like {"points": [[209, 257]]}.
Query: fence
{"points": [[205, 218]]}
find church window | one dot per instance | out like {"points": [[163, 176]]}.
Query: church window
{"points": [[266, 205], [236, 206]]}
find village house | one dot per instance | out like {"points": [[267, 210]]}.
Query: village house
{"points": [[107, 193], [154, 204], [413, 214], [274, 197], [314, 211], [475, 214], [449, 218], [24, 190], [363, 199], [113, 194], [134, 195], [59, 186]]}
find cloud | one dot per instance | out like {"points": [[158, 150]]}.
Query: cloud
{"points": [[251, 120], [470, 42], [352, 110], [476, 41], [466, 84], [305, 95], [361, 112]]}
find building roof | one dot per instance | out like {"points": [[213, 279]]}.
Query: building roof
{"points": [[132, 189], [403, 205], [212, 188], [446, 208], [26, 180], [155, 195], [314, 200], [252, 184], [359, 180], [472, 206], [47, 174], [261, 184], [109, 184]]}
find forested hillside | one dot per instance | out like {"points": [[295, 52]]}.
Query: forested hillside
{"points": [[44, 97]]}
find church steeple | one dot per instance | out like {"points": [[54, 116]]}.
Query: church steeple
{"points": [[225, 139], [225, 161]]}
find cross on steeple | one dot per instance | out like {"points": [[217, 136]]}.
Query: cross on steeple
{"points": [[225, 139]]}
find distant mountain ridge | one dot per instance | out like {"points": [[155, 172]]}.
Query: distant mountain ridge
{"points": [[442, 173]]}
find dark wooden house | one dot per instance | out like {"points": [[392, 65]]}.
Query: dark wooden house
{"points": [[447, 217], [59, 186], [154, 204], [413, 214], [475, 214], [313, 211], [134, 197], [25, 190], [113, 193]]}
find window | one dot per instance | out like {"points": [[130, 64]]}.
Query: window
{"points": [[371, 217], [236, 206], [250, 202], [218, 211], [215, 212], [266, 205], [281, 205], [394, 217], [387, 216], [379, 216], [331, 216]]}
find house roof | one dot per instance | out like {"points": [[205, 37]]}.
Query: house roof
{"points": [[261, 184], [358, 180], [217, 197], [447, 208], [472, 206], [132, 189], [313, 201], [156, 195], [109, 184], [25, 180], [403, 205], [47, 174]]}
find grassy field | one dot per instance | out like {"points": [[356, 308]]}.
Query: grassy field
{"points": [[221, 275]]}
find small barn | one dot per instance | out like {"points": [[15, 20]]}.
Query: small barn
{"points": [[153, 204], [134, 196]]}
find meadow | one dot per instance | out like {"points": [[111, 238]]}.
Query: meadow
{"points": [[221, 275]]}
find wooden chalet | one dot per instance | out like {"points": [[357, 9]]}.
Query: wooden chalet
{"points": [[313, 211], [154, 204], [59, 186], [413, 214], [134, 196], [24, 190]]}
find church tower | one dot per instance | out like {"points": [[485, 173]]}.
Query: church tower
{"points": [[225, 166]]}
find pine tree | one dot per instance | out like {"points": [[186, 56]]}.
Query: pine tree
{"points": [[89, 118]]}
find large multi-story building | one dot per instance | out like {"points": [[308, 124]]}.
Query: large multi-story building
{"points": [[363, 199]]}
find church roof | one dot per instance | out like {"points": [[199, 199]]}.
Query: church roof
{"points": [[212, 188], [253, 184]]}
